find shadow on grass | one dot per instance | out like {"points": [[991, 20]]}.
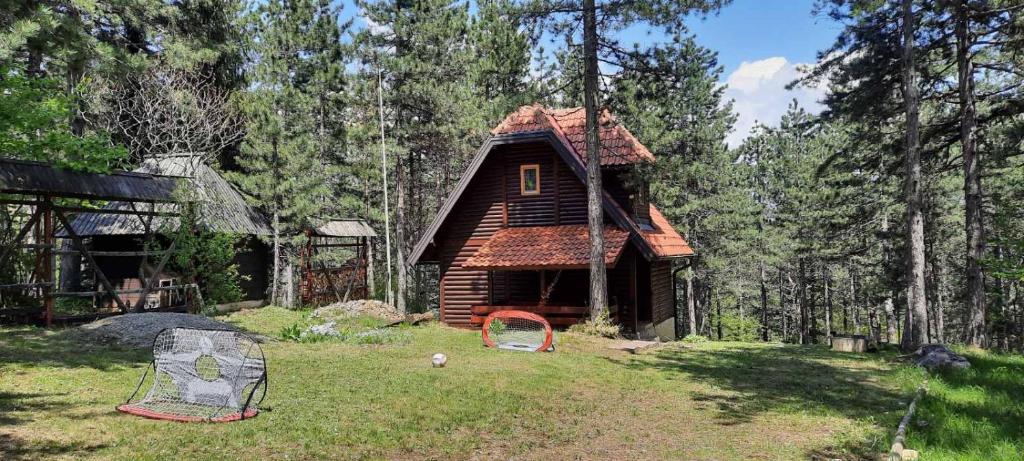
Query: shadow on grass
{"points": [[14, 447], [975, 412], [37, 347], [750, 380]]}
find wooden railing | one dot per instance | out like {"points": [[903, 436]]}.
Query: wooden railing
{"points": [[555, 315]]}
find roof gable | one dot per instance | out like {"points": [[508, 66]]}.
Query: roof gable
{"points": [[562, 147], [618, 145]]}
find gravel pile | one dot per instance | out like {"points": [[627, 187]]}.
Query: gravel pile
{"points": [[139, 330], [356, 308]]}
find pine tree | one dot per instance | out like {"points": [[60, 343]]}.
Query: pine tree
{"points": [[291, 150]]}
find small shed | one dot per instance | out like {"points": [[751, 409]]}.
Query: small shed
{"points": [[224, 209], [336, 262]]}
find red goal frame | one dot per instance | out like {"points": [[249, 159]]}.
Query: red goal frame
{"points": [[510, 314]]}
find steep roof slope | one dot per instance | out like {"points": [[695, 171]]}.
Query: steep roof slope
{"points": [[618, 145]]}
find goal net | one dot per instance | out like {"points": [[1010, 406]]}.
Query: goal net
{"points": [[517, 331], [202, 375]]}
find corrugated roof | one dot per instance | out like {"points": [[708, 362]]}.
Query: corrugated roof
{"points": [[539, 247], [223, 208], [618, 145], [663, 239], [37, 178], [345, 228]]}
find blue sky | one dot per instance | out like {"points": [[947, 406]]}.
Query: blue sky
{"points": [[760, 45]]}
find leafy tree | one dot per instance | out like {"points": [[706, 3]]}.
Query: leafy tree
{"points": [[34, 125]]}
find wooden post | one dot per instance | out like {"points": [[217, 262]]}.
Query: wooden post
{"points": [[47, 255]]}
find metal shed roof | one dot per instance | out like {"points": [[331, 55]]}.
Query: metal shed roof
{"points": [[345, 228], [38, 178]]}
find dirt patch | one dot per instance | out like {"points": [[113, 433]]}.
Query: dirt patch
{"points": [[356, 308], [139, 330]]}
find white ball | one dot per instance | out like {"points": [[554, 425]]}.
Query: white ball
{"points": [[439, 360]]}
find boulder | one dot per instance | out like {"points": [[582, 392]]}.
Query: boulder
{"points": [[938, 356]]}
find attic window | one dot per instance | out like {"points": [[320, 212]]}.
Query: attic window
{"points": [[529, 179]]}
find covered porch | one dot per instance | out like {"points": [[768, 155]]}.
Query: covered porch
{"points": [[545, 270]]}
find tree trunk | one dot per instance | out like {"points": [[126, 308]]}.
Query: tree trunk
{"points": [[690, 301], [940, 316], [595, 212], [276, 222], [976, 329], [805, 332], [828, 308], [400, 216], [764, 306], [916, 326], [289, 285], [782, 309], [718, 312]]}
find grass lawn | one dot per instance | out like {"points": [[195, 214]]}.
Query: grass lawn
{"points": [[334, 400], [973, 414]]}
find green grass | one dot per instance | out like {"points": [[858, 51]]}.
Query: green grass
{"points": [[336, 400], [972, 414]]}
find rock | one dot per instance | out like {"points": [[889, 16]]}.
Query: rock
{"points": [[938, 356]]}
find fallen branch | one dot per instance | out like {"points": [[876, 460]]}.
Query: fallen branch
{"points": [[897, 452]]}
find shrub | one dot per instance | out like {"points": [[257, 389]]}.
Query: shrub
{"points": [[695, 339], [600, 326]]}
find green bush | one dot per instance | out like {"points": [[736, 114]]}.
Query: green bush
{"points": [[600, 326], [695, 339]]}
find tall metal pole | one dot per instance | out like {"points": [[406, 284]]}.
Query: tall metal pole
{"points": [[384, 170]]}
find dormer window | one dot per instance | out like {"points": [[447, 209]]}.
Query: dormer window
{"points": [[642, 206], [529, 179]]}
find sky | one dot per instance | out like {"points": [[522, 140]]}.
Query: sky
{"points": [[760, 44]]}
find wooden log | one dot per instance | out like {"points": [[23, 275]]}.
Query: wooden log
{"points": [[897, 452]]}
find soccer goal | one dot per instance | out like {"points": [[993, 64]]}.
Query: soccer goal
{"points": [[202, 376], [517, 331]]}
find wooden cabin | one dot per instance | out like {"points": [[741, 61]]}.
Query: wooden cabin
{"points": [[514, 232]]}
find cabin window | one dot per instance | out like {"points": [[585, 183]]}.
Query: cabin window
{"points": [[529, 179]]}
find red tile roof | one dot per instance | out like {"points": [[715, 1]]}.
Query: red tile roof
{"points": [[545, 247], [664, 240], [618, 145]]}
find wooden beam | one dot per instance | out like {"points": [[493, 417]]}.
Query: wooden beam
{"points": [[11, 286], [148, 283], [5, 252], [133, 291], [78, 209], [88, 257], [113, 253]]}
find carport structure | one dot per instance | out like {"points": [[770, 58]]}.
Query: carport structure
{"points": [[38, 201]]}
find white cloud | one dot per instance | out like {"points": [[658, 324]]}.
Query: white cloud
{"points": [[759, 94]]}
